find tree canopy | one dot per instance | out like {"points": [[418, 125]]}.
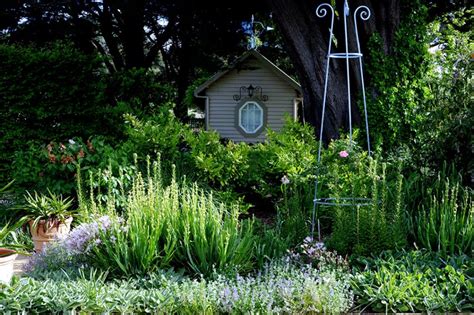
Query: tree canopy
{"points": [[182, 41]]}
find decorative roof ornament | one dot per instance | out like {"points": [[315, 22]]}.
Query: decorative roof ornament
{"points": [[253, 30], [363, 13]]}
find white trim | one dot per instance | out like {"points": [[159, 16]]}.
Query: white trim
{"points": [[206, 109], [297, 100]]}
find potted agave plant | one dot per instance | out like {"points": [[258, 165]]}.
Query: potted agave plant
{"points": [[49, 217]]}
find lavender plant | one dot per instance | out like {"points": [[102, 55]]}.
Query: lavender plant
{"points": [[70, 252]]}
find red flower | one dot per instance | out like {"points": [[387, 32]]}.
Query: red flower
{"points": [[90, 146], [65, 159], [52, 158], [81, 154]]}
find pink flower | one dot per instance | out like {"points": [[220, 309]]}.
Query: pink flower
{"points": [[343, 154]]}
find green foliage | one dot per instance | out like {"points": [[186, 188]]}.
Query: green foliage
{"points": [[239, 168], [178, 225], [51, 208], [290, 152], [8, 231], [278, 288], [46, 94], [414, 282], [220, 165], [138, 91], [422, 97], [444, 221], [377, 224], [397, 80], [54, 166], [445, 133], [162, 133]]}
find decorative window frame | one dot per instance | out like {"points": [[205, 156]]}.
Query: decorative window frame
{"points": [[238, 108]]}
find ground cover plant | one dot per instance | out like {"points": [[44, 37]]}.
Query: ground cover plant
{"points": [[417, 281], [278, 287]]}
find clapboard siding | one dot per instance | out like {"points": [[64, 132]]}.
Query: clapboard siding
{"points": [[222, 106]]}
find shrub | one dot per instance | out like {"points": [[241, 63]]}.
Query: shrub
{"points": [[162, 133], [54, 166], [414, 282], [223, 166], [40, 99]]}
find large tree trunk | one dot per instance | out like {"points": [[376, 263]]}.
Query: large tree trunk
{"points": [[306, 37], [133, 34]]}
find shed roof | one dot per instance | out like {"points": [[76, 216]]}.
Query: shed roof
{"points": [[251, 53]]}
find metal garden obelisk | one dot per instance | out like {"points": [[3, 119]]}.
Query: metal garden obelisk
{"points": [[363, 13]]}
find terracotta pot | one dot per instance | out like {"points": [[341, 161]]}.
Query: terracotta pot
{"points": [[7, 257], [42, 235]]}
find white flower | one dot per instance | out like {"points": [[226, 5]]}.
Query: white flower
{"points": [[285, 180], [72, 141]]}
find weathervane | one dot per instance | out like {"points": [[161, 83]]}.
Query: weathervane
{"points": [[363, 13], [253, 30]]}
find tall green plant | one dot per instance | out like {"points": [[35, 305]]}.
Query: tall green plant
{"points": [[374, 220], [176, 225], [445, 222]]}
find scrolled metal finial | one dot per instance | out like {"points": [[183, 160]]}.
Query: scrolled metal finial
{"points": [[364, 14], [321, 11]]}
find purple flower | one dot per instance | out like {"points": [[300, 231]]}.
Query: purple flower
{"points": [[320, 246]]}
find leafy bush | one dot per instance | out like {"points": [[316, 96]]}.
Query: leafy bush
{"points": [[41, 100], [220, 165], [426, 106], [414, 282], [162, 133], [278, 288], [54, 166]]}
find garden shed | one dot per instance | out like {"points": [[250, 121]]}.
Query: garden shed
{"points": [[248, 97]]}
